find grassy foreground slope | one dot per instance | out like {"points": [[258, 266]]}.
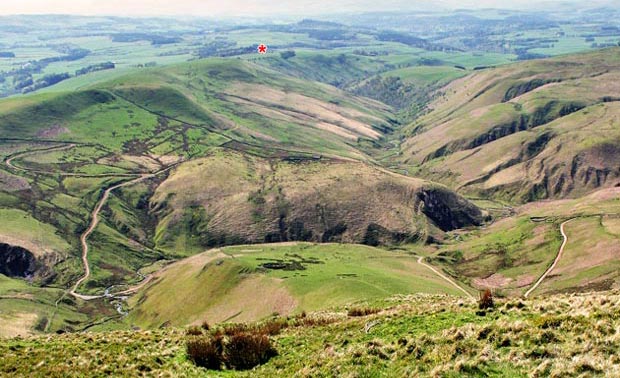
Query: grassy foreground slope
{"points": [[421, 335], [523, 132], [248, 283]]}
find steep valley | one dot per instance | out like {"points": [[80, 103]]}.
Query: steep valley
{"points": [[229, 179]]}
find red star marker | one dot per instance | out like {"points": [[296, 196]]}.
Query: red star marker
{"points": [[262, 49]]}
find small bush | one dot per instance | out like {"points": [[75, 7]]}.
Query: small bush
{"points": [[486, 300], [362, 311], [272, 327], [206, 352], [236, 346], [194, 331], [247, 350], [548, 321], [205, 326]]}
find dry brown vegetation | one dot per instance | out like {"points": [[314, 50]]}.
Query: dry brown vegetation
{"points": [[236, 198], [362, 311], [486, 300]]}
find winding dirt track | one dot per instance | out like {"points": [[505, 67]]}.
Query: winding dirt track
{"points": [[106, 195], [93, 224], [94, 214], [446, 278], [555, 262]]}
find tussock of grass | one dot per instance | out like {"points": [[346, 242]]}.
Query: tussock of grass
{"points": [[362, 311]]}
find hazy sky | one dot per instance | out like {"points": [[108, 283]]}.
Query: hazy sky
{"points": [[237, 7]]}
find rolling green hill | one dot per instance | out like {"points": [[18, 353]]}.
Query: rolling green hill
{"points": [[252, 282], [233, 198], [227, 152], [523, 132], [292, 160], [186, 108]]}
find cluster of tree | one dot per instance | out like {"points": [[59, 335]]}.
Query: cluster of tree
{"points": [[605, 31], [147, 65], [363, 52], [71, 55], [214, 47], [95, 67], [524, 54], [330, 34], [186, 51], [390, 90], [46, 81], [601, 45], [236, 51], [22, 77], [21, 81], [155, 39], [7, 54], [287, 54]]}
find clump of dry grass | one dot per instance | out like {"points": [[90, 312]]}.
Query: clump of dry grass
{"points": [[235, 346], [207, 352], [194, 331], [362, 311], [245, 350], [486, 300]]}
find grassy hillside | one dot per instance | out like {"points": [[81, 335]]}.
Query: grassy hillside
{"points": [[291, 158], [421, 335], [247, 155], [248, 283], [409, 89], [66, 147], [232, 198], [510, 255], [523, 132], [184, 109]]}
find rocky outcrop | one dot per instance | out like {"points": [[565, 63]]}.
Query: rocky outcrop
{"points": [[16, 261], [448, 210]]}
